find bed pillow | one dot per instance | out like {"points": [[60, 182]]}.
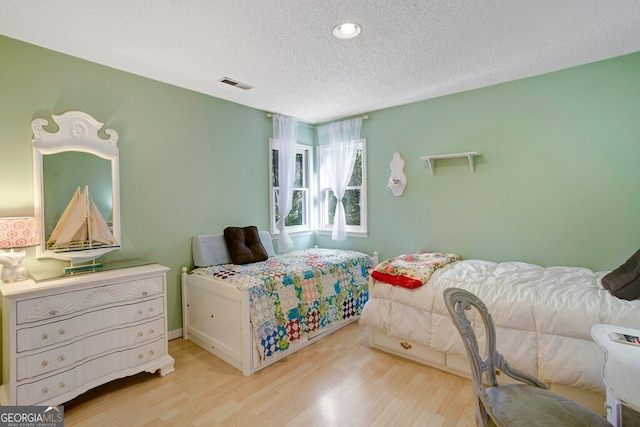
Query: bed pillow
{"points": [[244, 245], [265, 238], [412, 270], [624, 281], [209, 249]]}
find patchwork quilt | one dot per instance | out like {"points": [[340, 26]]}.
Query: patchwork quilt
{"points": [[295, 295]]}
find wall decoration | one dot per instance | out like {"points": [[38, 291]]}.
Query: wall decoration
{"points": [[397, 180]]}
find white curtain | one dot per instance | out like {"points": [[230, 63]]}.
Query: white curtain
{"points": [[338, 142], [285, 134]]}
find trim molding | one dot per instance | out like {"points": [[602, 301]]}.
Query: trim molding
{"points": [[176, 333]]}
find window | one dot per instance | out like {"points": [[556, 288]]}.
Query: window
{"points": [[355, 197], [299, 219]]}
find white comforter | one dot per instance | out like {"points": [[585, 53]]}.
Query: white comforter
{"points": [[543, 316]]}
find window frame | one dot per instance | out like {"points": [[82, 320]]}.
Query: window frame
{"points": [[323, 227], [307, 174]]}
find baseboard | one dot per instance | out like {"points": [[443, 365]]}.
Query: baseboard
{"points": [[176, 333]]}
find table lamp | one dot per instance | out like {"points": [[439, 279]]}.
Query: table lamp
{"points": [[16, 232]]}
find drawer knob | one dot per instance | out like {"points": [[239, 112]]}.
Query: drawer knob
{"points": [[151, 352], [405, 345], [145, 293], [140, 334], [140, 311], [151, 331], [45, 390], [150, 309], [61, 384], [44, 363], [61, 358], [45, 336], [140, 356], [52, 313], [61, 332]]}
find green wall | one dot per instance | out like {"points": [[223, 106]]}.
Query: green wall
{"points": [[556, 183], [189, 163]]}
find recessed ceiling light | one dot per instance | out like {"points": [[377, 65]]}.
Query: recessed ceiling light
{"points": [[347, 30]]}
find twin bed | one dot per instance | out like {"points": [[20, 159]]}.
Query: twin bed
{"points": [[543, 318], [252, 315]]}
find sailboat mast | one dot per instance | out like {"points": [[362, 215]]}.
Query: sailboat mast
{"points": [[89, 216], [81, 225]]}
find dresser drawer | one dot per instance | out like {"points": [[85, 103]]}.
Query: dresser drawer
{"points": [[66, 303], [48, 388], [64, 330], [44, 362]]}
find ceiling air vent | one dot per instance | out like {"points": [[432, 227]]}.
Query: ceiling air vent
{"points": [[231, 82]]}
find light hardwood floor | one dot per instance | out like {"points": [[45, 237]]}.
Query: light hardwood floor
{"points": [[337, 381]]}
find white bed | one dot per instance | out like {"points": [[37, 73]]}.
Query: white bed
{"points": [[543, 318], [218, 313]]}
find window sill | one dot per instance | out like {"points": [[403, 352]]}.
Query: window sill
{"points": [[292, 233], [360, 234]]}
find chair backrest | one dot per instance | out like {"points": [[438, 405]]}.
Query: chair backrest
{"points": [[458, 301]]}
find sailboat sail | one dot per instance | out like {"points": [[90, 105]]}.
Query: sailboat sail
{"points": [[81, 225]]}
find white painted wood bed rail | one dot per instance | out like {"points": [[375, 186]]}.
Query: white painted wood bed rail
{"points": [[220, 322]]}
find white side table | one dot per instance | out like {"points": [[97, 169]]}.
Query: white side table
{"points": [[621, 371]]}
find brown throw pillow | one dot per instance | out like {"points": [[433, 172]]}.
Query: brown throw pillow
{"points": [[244, 245], [624, 281]]}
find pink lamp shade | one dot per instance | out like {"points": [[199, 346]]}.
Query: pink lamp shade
{"points": [[18, 232]]}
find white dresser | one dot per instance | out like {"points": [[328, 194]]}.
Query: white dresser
{"points": [[64, 336]]}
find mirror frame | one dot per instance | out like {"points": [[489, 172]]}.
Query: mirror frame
{"points": [[77, 131]]}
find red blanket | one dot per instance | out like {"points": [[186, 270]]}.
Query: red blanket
{"points": [[412, 270]]}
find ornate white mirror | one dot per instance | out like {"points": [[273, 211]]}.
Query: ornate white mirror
{"points": [[77, 188]]}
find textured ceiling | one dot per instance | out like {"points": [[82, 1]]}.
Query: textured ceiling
{"points": [[408, 50]]}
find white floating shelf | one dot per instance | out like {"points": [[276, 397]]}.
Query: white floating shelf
{"points": [[469, 156]]}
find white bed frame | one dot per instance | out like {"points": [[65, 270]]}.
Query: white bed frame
{"points": [[215, 315]]}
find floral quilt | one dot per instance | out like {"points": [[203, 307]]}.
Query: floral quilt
{"points": [[296, 295], [412, 270]]}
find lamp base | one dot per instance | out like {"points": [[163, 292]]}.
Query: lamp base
{"points": [[14, 266]]}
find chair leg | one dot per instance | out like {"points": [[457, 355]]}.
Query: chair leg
{"points": [[482, 417]]}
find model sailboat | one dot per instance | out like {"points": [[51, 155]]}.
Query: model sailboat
{"points": [[81, 226]]}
